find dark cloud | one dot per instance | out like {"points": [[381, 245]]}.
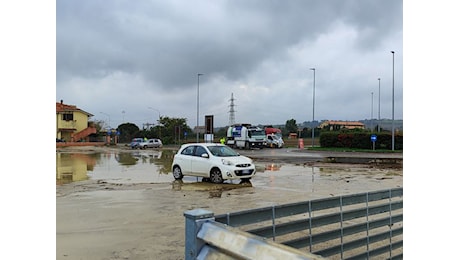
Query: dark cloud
{"points": [[167, 46], [166, 43]]}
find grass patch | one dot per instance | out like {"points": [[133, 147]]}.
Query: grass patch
{"points": [[344, 149]]}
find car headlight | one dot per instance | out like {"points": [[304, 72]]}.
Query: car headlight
{"points": [[226, 162]]}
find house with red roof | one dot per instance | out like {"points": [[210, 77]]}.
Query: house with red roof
{"points": [[72, 123]]}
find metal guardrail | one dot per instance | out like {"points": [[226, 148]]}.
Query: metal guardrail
{"points": [[208, 239], [358, 226]]}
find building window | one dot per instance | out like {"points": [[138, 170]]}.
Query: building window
{"points": [[67, 117]]}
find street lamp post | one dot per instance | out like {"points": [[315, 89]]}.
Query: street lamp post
{"points": [[159, 119], [313, 120], [379, 107], [372, 111], [198, 107], [393, 107]]}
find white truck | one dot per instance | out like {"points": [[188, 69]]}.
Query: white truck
{"points": [[246, 136]]}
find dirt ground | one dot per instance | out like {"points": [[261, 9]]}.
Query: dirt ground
{"points": [[106, 220]]}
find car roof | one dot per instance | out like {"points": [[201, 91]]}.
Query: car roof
{"points": [[205, 144]]}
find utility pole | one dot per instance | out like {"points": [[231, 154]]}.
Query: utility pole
{"points": [[198, 108], [313, 121]]}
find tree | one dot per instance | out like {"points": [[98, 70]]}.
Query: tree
{"points": [[98, 124], [128, 131], [173, 129], [291, 126]]}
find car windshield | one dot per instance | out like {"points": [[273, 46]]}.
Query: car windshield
{"points": [[222, 151]]}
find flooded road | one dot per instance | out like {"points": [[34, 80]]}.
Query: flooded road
{"points": [[121, 167], [117, 204]]}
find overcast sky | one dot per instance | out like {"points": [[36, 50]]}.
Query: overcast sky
{"points": [[131, 61], [113, 56]]}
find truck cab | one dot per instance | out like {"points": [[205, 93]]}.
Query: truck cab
{"points": [[246, 136]]}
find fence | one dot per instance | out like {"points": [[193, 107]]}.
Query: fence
{"points": [[359, 226]]}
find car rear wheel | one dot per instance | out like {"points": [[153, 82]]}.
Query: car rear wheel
{"points": [[177, 173], [216, 176]]}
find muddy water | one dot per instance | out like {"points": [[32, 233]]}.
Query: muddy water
{"points": [[150, 166], [143, 167], [126, 204]]}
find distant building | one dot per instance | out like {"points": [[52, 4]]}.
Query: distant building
{"points": [[72, 123], [337, 125]]}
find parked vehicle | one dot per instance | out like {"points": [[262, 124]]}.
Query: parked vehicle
{"points": [[151, 143], [273, 130], [246, 136], [212, 161], [274, 141], [135, 143]]}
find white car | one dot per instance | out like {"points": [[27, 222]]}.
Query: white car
{"points": [[216, 162], [274, 141], [151, 143]]}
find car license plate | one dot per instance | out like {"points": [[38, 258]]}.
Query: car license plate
{"points": [[246, 171]]}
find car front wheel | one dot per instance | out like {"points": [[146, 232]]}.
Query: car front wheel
{"points": [[177, 173], [216, 176]]}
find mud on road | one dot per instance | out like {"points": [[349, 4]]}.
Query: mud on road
{"points": [[101, 219]]}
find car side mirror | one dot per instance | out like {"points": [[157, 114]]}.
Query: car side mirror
{"points": [[205, 155]]}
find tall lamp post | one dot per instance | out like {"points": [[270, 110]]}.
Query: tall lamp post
{"points": [[372, 112], [159, 118], [198, 107], [313, 121], [393, 107], [379, 107], [157, 111]]}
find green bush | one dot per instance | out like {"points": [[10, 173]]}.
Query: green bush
{"points": [[359, 140]]}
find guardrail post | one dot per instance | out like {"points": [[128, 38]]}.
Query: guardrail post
{"points": [[193, 221]]}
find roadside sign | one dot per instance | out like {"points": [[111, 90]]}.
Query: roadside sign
{"points": [[373, 138]]}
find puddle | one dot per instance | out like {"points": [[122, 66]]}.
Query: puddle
{"points": [[272, 167], [214, 190], [117, 167], [154, 167]]}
